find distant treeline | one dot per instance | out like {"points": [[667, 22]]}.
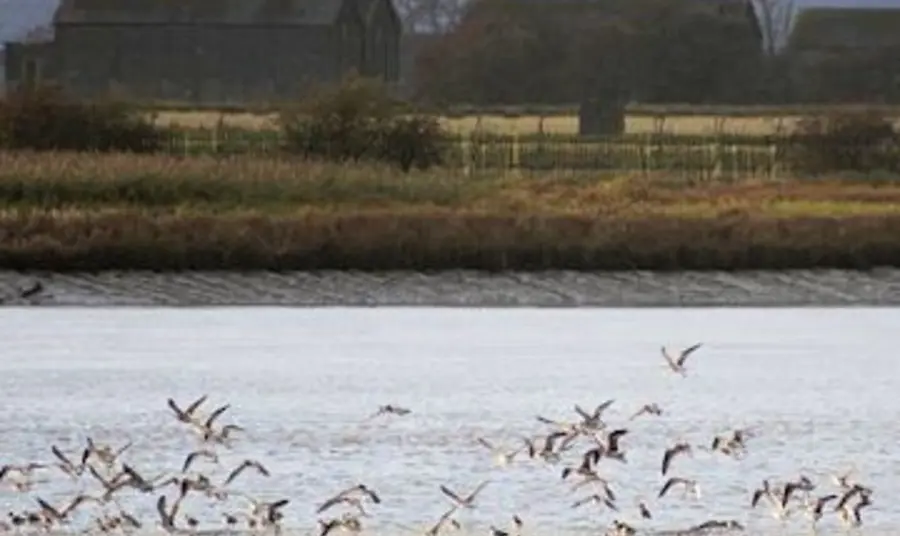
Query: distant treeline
{"points": [[648, 51]]}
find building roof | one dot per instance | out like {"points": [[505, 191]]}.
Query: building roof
{"points": [[275, 12], [835, 27]]}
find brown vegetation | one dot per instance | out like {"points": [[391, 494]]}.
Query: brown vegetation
{"points": [[358, 120], [95, 211], [354, 120], [58, 180], [845, 141], [439, 239], [46, 119]]}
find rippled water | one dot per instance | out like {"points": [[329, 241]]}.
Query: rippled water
{"points": [[819, 386]]}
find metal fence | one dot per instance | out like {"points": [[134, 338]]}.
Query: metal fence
{"points": [[694, 156]]}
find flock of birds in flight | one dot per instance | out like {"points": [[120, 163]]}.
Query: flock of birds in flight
{"points": [[346, 510]]}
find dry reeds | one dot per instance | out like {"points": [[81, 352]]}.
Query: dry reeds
{"points": [[438, 240], [92, 212], [49, 181]]}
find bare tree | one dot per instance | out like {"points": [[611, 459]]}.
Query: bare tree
{"points": [[429, 16], [776, 18]]}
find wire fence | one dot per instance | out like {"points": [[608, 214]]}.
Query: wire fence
{"points": [[694, 155]]}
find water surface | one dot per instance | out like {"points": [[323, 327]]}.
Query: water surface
{"points": [[819, 387]]}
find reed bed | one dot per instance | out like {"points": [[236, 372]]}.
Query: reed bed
{"points": [[72, 180], [93, 211], [438, 239]]}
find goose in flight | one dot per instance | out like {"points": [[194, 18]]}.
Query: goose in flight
{"points": [[445, 519], [186, 415], [815, 509], [690, 486], [502, 457], [61, 515], [681, 447], [597, 499], [647, 409], [66, 465], [464, 502], [390, 409], [350, 496], [593, 420], [246, 464], [202, 453], [677, 364]]}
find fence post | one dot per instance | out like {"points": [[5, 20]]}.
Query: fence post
{"points": [[709, 160], [465, 156], [736, 170], [645, 157], [514, 156], [773, 161], [659, 124], [717, 160]]}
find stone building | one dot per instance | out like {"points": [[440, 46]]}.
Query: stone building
{"points": [[210, 51]]}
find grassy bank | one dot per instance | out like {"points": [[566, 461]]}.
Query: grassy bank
{"points": [[91, 212]]}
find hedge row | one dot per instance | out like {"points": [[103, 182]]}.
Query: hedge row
{"points": [[357, 120]]}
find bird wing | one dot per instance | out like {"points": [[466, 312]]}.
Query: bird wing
{"points": [[161, 510], [821, 501], [668, 485], [476, 491], [179, 413], [788, 490], [442, 520], [449, 493], [669, 360], [667, 460], [194, 405], [550, 439], [529, 444], [613, 438], [62, 457], [215, 415], [47, 507], [757, 495], [686, 352], [259, 467], [372, 495], [485, 443], [846, 497], [581, 502], [567, 442], [99, 477], [74, 504], [545, 420], [584, 415], [603, 407], [188, 460], [237, 470], [329, 503], [123, 449]]}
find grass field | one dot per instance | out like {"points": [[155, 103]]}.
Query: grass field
{"points": [[689, 124], [528, 124], [91, 211]]}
